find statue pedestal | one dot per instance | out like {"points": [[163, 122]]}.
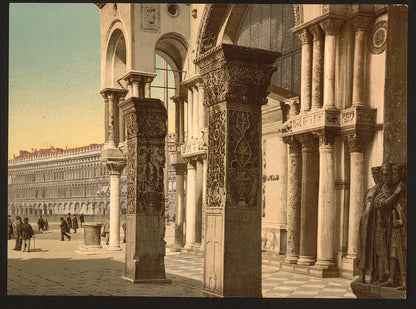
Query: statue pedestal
{"points": [[366, 290]]}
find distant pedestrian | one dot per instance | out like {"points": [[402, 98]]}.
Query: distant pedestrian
{"points": [[27, 233], [64, 229], [18, 233], [124, 226], [9, 228], [75, 223], [46, 225], [69, 223], [81, 219], [106, 232], [40, 223]]}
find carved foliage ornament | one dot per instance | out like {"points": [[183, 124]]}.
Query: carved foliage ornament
{"points": [[150, 17], [236, 80], [243, 155], [216, 160], [146, 124]]}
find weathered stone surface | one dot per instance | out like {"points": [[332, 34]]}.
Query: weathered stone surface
{"points": [[92, 234]]}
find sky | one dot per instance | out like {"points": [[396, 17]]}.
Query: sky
{"points": [[54, 76]]}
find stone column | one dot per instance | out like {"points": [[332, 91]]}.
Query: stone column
{"points": [[356, 145], [204, 196], [306, 73], [195, 117], [326, 200], [122, 128], [190, 114], [359, 24], [293, 199], [106, 120], [330, 26], [115, 168], [190, 205], [236, 80], [198, 200], [309, 199], [201, 108], [179, 215], [317, 66], [146, 121]]}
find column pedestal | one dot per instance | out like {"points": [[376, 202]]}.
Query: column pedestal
{"points": [[146, 121]]}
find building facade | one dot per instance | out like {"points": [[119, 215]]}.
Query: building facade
{"points": [[286, 109]]}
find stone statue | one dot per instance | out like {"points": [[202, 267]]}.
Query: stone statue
{"points": [[398, 242], [365, 260]]}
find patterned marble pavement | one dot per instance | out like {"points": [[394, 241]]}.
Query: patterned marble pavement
{"points": [[275, 284]]}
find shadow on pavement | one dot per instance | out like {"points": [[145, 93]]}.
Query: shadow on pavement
{"points": [[90, 276]]}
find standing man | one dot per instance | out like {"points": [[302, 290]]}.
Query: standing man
{"points": [[81, 219], [124, 225], [75, 223], [18, 231], [106, 232], [69, 223], [10, 228], [40, 223], [27, 233], [64, 229]]}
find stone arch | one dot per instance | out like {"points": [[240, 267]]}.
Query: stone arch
{"points": [[115, 57]]}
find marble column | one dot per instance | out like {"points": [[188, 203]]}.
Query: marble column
{"points": [[326, 200], [359, 24], [317, 66], [309, 199], [190, 114], [198, 200], [201, 109], [293, 199], [190, 206], [195, 117], [356, 145], [306, 73], [204, 196], [115, 168], [330, 27], [146, 121], [236, 80], [179, 215]]}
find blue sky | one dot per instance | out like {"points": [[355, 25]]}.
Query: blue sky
{"points": [[54, 76]]}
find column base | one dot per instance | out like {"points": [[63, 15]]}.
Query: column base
{"points": [[176, 247], [157, 281], [347, 267], [90, 249], [306, 260], [114, 248], [194, 249], [292, 259], [315, 271], [325, 264], [213, 294]]}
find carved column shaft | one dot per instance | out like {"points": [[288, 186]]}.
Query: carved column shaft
{"points": [[201, 108], [236, 81], [146, 121], [330, 26], [326, 201], [198, 201], [293, 200], [195, 118], [317, 66], [179, 215], [106, 120], [306, 73], [309, 199], [121, 124]]}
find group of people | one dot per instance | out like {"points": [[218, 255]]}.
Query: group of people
{"points": [[383, 229], [68, 224], [43, 225], [23, 232]]}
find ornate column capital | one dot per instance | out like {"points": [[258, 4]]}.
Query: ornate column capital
{"points": [[113, 93], [308, 141], [331, 25], [360, 22], [317, 32], [326, 138], [294, 146], [116, 167], [358, 142], [305, 36], [236, 74]]}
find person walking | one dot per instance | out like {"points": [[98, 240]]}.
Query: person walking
{"points": [[40, 223], [18, 232], [64, 229], [46, 225], [69, 223], [27, 233], [81, 219], [75, 223], [9, 228]]}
